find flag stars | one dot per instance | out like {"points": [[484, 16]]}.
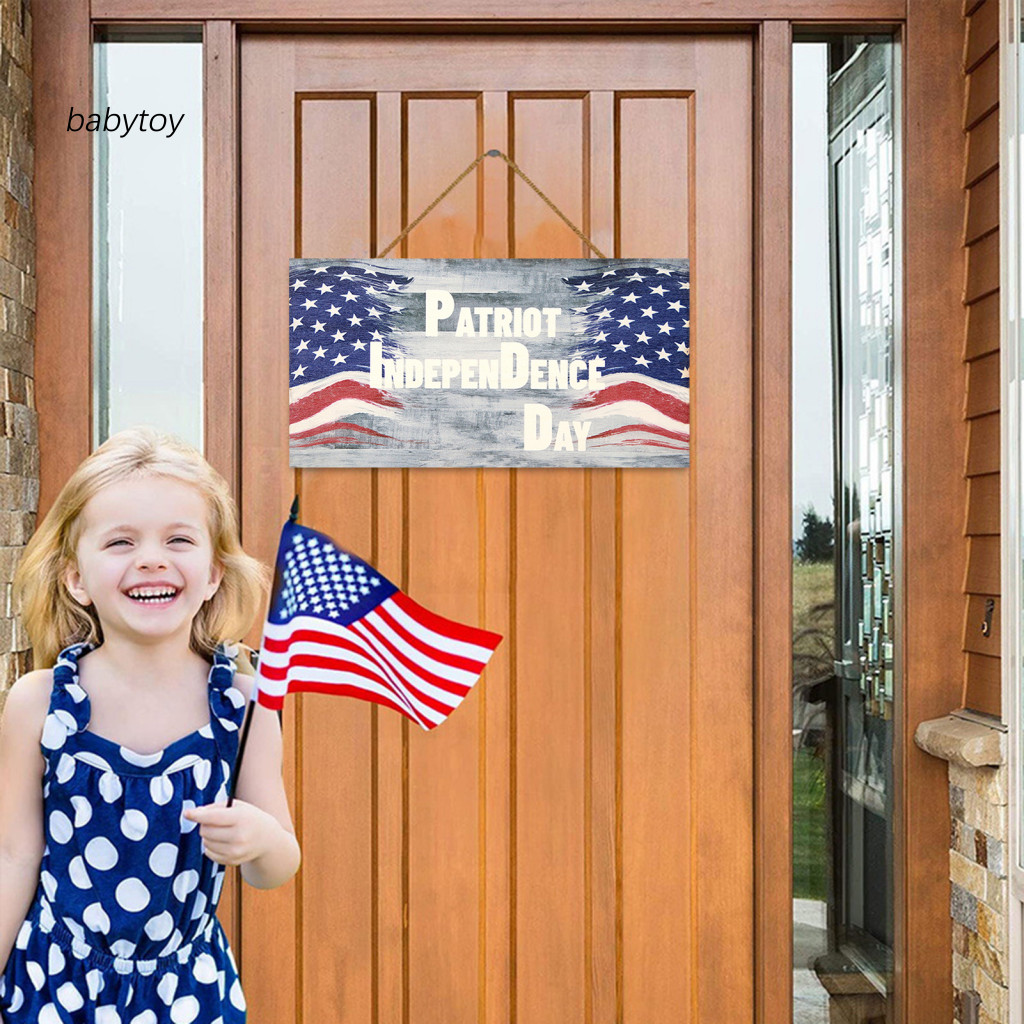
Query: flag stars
{"points": [[643, 337], [631, 297], [338, 335], [339, 358], [334, 311], [304, 344], [648, 312], [297, 284], [357, 344], [296, 322], [318, 327], [320, 353], [299, 372], [350, 297], [641, 360], [619, 347], [662, 354], [677, 306], [659, 290], [636, 277], [625, 322], [354, 320], [325, 288], [665, 328], [310, 304], [583, 286]]}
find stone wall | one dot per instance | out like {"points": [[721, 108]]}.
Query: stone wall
{"points": [[19, 452], [978, 890]]}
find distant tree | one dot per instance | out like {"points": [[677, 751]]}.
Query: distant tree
{"points": [[818, 541]]}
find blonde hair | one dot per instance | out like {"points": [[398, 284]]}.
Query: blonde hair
{"points": [[54, 619]]}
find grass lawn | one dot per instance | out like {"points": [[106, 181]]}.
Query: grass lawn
{"points": [[813, 585]]}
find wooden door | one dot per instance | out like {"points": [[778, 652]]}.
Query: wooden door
{"points": [[576, 843]]}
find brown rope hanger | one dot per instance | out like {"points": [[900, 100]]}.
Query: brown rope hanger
{"points": [[516, 168]]}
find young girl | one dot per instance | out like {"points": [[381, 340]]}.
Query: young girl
{"points": [[113, 843]]}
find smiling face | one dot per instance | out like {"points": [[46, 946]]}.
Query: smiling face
{"points": [[144, 558]]}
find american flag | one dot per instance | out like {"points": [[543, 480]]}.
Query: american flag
{"points": [[336, 625], [638, 321], [336, 310]]}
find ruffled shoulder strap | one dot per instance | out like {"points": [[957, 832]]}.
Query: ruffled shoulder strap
{"points": [[69, 710], [227, 702]]}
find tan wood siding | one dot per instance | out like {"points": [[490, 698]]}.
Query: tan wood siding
{"points": [[981, 351]]}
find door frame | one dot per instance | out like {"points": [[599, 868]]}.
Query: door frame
{"points": [[930, 33]]}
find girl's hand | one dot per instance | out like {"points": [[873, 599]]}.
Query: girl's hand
{"points": [[235, 834]]}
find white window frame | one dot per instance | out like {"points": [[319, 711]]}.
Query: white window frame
{"points": [[1012, 571]]}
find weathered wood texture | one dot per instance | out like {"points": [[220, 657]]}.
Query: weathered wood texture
{"points": [[981, 346], [577, 843]]}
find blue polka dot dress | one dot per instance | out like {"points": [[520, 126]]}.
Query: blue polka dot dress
{"points": [[122, 929]]}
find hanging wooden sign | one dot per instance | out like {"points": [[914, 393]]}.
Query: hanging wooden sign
{"points": [[489, 362]]}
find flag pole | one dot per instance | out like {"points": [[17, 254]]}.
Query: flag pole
{"points": [[293, 516]]}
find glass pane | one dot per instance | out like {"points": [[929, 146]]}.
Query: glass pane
{"points": [[844, 331], [148, 234]]}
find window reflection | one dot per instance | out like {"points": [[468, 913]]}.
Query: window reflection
{"points": [[844, 314], [148, 238]]}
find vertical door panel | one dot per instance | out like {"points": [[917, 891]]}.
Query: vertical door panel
{"points": [[576, 843]]}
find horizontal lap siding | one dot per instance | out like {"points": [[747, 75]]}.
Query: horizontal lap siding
{"points": [[981, 354]]}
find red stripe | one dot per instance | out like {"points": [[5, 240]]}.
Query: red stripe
{"points": [[455, 660], [446, 627], [364, 442], [663, 431], [442, 682], [302, 408], [337, 425], [432, 702], [634, 391], [338, 641], [642, 443], [299, 661], [343, 690]]}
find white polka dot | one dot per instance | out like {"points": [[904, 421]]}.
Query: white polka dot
{"points": [[35, 974], [172, 944], [218, 884], [100, 853], [24, 934], [123, 948], [107, 1015], [48, 1014], [200, 908], [49, 885], [161, 789], [221, 984], [186, 824], [54, 734], [235, 695], [167, 987], [132, 895], [141, 760], [78, 875], [227, 724], [46, 918], [159, 927], [110, 789], [206, 732], [185, 761], [56, 960], [94, 983], [65, 768], [235, 995], [185, 1010], [75, 692], [88, 757], [95, 918], [17, 1000], [146, 1017], [61, 829], [83, 811], [134, 824], [185, 883], [75, 928], [163, 859], [69, 997], [205, 969], [202, 772], [222, 795]]}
